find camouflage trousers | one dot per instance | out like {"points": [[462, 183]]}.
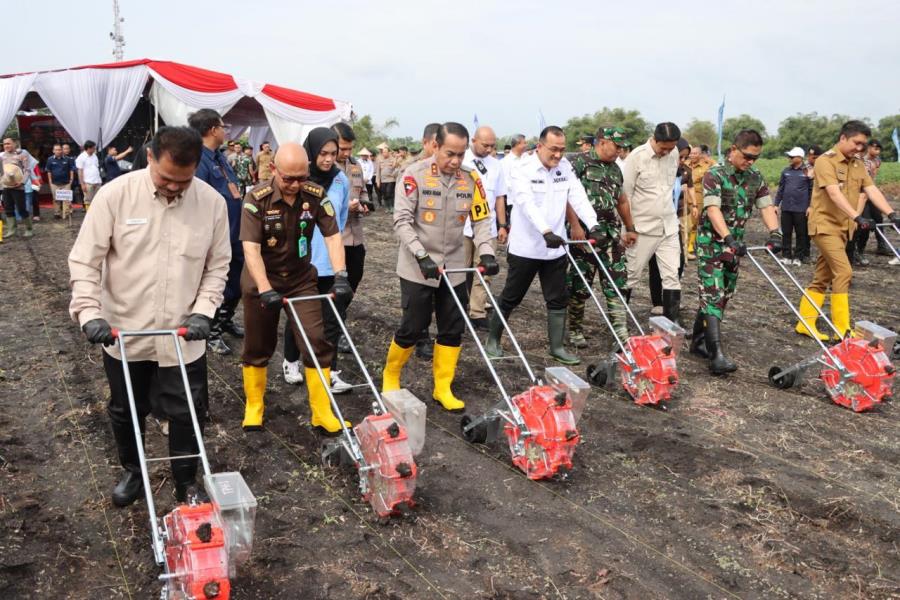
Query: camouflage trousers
{"points": [[717, 277], [612, 253]]}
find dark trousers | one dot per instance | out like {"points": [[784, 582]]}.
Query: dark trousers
{"points": [[355, 257], [35, 203], [332, 327], [261, 324], [418, 302], [160, 389], [522, 271], [387, 193], [656, 288], [14, 200], [794, 222], [370, 189], [862, 237]]}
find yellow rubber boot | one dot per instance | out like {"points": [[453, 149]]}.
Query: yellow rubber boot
{"points": [[254, 390], [319, 404], [1, 231], [444, 368], [807, 324], [692, 237], [393, 365], [840, 314]]}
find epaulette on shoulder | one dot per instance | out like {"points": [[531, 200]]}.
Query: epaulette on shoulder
{"points": [[314, 189], [830, 153], [260, 193]]}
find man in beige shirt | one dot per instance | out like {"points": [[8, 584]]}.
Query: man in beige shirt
{"points": [[264, 161], [153, 253], [649, 180]]}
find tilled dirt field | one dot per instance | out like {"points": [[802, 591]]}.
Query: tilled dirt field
{"points": [[738, 490]]}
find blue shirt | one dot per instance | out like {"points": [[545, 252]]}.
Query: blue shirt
{"points": [[60, 169], [215, 170], [339, 194], [111, 166], [794, 190]]}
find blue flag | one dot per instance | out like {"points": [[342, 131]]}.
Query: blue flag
{"points": [[475, 119], [896, 139], [719, 126], [542, 123]]}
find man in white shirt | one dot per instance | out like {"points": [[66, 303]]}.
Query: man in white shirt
{"points": [[649, 176], [512, 158], [479, 158], [542, 185], [88, 172]]}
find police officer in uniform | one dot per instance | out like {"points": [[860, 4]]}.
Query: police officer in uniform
{"points": [[432, 202], [834, 214], [278, 218]]}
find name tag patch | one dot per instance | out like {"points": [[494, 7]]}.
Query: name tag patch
{"points": [[136, 221]]}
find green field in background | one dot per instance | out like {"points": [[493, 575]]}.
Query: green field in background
{"points": [[771, 169]]}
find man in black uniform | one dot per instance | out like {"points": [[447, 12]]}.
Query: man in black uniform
{"points": [[277, 222]]}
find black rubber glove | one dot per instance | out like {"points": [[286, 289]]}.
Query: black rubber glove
{"points": [[737, 247], [553, 240], [98, 331], [596, 234], [428, 267], [271, 299], [894, 218], [197, 326], [775, 241], [489, 264], [865, 223], [342, 290]]}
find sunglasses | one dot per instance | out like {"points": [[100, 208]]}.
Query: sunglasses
{"points": [[750, 157], [289, 179]]}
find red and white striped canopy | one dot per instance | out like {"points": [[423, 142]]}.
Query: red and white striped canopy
{"points": [[95, 101]]}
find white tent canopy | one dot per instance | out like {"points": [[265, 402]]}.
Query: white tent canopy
{"points": [[95, 102]]}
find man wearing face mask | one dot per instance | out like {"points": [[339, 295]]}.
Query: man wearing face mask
{"points": [[649, 174], [433, 201], [543, 185], [153, 253], [277, 223]]}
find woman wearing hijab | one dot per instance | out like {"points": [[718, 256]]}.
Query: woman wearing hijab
{"points": [[322, 147]]}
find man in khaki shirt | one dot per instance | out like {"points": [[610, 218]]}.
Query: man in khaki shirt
{"points": [[264, 162], [700, 162], [153, 253], [839, 176]]}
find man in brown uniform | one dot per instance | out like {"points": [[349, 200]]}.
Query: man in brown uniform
{"points": [[277, 223], [433, 201], [839, 176], [699, 163], [264, 162], [354, 241]]}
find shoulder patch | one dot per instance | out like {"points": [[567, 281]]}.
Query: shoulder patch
{"points": [[251, 208], [830, 153], [262, 192], [315, 189], [409, 185]]}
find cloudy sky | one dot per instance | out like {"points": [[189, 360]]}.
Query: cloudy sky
{"points": [[428, 61]]}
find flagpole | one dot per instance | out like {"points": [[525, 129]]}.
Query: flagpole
{"points": [[721, 127]]}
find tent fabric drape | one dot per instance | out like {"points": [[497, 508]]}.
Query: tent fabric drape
{"points": [[92, 104], [12, 93]]}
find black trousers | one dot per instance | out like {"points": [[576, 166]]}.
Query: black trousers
{"points": [[161, 389], [387, 193], [522, 271], [862, 237], [656, 289], [370, 189], [12, 200], [332, 327], [355, 257], [794, 222], [419, 301]]}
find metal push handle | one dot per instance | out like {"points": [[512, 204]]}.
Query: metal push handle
{"points": [[780, 292], [289, 303], [590, 244], [477, 271], [158, 550], [878, 230]]}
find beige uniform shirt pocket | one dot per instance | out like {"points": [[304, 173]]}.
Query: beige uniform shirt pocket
{"points": [[430, 207]]}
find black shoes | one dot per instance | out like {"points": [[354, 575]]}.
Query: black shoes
{"points": [[129, 489], [232, 328], [480, 324]]}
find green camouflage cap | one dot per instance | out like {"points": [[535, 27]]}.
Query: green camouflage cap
{"points": [[614, 134]]}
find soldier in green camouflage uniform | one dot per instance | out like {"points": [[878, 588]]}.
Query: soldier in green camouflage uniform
{"points": [[602, 180], [729, 193], [242, 164]]}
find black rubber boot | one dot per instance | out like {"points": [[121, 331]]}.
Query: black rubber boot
{"points": [[672, 305], [719, 364], [130, 486], [627, 294], [698, 340], [226, 319], [184, 470], [556, 333], [492, 345]]}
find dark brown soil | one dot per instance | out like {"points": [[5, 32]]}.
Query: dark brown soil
{"points": [[738, 490]]}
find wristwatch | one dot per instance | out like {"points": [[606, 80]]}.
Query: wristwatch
{"points": [[420, 254], [341, 274], [631, 230]]}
